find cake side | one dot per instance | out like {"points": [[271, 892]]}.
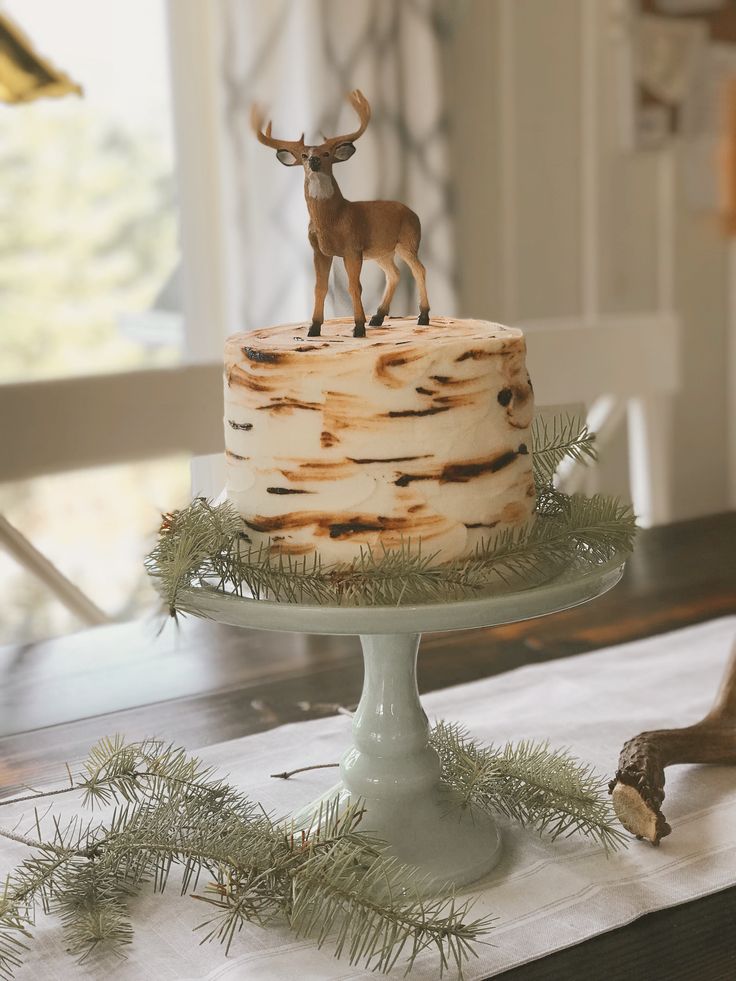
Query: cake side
{"points": [[336, 443]]}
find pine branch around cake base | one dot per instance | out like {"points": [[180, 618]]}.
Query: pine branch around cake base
{"points": [[331, 882], [206, 545]]}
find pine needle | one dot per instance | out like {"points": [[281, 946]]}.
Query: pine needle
{"points": [[545, 789], [330, 881], [206, 546], [568, 532], [554, 440]]}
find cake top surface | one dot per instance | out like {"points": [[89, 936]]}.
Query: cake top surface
{"points": [[337, 336]]}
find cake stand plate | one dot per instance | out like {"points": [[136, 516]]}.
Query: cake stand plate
{"points": [[391, 768]]}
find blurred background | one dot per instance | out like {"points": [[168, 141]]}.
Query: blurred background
{"points": [[573, 164]]}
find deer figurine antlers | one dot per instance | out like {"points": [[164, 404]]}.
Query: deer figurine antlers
{"points": [[353, 230]]}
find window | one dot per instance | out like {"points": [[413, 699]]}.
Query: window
{"points": [[88, 238], [89, 283], [95, 526]]}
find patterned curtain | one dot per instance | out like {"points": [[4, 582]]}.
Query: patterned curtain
{"points": [[299, 58]]}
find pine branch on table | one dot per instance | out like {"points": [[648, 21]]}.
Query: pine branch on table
{"points": [[543, 789]]}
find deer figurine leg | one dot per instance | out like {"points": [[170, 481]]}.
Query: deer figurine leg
{"points": [[392, 281], [353, 266], [419, 273], [322, 265]]}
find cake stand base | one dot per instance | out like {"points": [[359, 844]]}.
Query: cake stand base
{"points": [[391, 769], [448, 846], [393, 772]]}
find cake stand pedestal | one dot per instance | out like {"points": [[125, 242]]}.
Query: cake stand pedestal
{"points": [[391, 767]]}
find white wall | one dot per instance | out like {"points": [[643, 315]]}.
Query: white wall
{"points": [[554, 252]]}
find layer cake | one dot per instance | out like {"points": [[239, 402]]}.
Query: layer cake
{"points": [[337, 443]]}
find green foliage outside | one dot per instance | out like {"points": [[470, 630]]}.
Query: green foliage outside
{"points": [[88, 232]]}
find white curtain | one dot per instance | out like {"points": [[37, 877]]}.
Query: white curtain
{"points": [[299, 58]]}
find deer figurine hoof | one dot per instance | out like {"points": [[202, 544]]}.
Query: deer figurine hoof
{"points": [[376, 320], [423, 320], [315, 330], [359, 330]]}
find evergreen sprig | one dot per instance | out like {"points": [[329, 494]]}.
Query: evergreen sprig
{"points": [[207, 546], [330, 881], [557, 438], [327, 881], [542, 788]]}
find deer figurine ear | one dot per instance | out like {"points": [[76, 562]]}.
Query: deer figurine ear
{"points": [[287, 158], [344, 151]]}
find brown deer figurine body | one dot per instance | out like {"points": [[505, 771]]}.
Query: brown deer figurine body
{"points": [[353, 230]]}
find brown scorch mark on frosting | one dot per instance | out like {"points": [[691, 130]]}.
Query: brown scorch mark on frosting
{"points": [[481, 524], [461, 473], [516, 398], [235, 456], [448, 380], [401, 413], [388, 459], [476, 354], [342, 529], [265, 357], [386, 362], [236, 376], [282, 404], [245, 426], [424, 391], [327, 439], [287, 490], [522, 394], [454, 400], [336, 525], [319, 470], [282, 547]]}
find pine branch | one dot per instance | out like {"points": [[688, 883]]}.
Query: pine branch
{"points": [[541, 788], [36, 882], [90, 901], [553, 441], [14, 932], [374, 918], [183, 817], [569, 532], [207, 546], [329, 881]]}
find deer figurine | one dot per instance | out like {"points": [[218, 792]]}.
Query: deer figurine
{"points": [[353, 230]]}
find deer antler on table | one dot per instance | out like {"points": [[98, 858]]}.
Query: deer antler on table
{"points": [[638, 787]]}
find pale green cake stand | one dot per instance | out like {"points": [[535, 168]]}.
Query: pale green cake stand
{"points": [[390, 765]]}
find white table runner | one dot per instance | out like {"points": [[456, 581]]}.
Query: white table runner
{"points": [[546, 896]]}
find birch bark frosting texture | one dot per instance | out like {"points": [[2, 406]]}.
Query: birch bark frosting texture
{"points": [[415, 433]]}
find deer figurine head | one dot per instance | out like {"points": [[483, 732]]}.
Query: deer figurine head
{"points": [[353, 230]]}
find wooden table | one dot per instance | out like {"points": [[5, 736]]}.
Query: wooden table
{"points": [[202, 683]]}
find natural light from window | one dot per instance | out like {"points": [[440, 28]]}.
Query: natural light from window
{"points": [[89, 283], [89, 273]]}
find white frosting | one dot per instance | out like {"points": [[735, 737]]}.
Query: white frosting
{"points": [[336, 443]]}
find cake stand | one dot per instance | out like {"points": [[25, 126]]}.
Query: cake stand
{"points": [[391, 767]]}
